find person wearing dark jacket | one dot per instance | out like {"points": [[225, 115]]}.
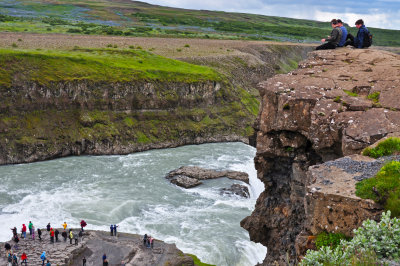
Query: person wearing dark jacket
{"points": [[39, 232], [333, 40], [358, 42], [56, 234], [344, 33]]}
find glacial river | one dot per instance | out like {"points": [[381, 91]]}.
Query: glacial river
{"points": [[131, 191]]}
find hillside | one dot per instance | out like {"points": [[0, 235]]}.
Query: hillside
{"points": [[133, 18]]}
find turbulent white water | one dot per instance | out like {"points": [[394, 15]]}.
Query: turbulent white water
{"points": [[131, 191]]}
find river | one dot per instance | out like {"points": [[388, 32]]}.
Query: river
{"points": [[131, 191]]}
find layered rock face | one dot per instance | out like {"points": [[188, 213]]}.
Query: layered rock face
{"points": [[337, 103]]}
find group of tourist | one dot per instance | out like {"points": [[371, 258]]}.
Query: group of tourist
{"points": [[12, 257], [148, 241], [340, 37]]}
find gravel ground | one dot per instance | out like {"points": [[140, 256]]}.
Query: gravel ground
{"points": [[364, 169]]}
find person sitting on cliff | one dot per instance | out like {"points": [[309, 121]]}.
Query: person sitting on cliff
{"points": [[48, 227], [65, 226], [344, 37], [333, 40], [358, 42]]}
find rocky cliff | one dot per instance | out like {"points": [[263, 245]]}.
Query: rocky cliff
{"points": [[109, 101], [337, 103]]}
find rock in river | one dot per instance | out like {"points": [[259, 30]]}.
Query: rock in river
{"points": [[189, 176]]}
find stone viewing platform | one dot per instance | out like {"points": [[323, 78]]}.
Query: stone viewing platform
{"points": [[124, 247]]}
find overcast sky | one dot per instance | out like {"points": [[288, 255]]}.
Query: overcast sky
{"points": [[380, 13]]}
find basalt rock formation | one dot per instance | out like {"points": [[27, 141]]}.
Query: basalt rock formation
{"points": [[190, 176], [337, 103]]}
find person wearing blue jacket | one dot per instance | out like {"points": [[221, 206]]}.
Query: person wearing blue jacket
{"points": [[358, 42], [344, 33]]}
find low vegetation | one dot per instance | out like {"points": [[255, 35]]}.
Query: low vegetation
{"points": [[374, 243], [332, 240], [197, 261], [123, 18], [384, 188], [109, 65], [387, 147]]}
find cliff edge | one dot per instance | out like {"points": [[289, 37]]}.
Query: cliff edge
{"points": [[335, 104]]}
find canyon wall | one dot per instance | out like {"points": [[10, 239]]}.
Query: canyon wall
{"points": [[47, 113], [335, 104]]}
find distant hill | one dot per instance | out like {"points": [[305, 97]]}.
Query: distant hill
{"points": [[133, 18]]}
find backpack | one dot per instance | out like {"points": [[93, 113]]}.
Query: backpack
{"points": [[367, 39]]}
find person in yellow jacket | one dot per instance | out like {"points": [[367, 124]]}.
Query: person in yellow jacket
{"points": [[65, 225], [71, 236]]}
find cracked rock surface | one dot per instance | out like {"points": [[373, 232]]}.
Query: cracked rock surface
{"points": [[123, 247]]}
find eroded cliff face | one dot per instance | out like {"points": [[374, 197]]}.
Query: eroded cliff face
{"points": [[45, 120], [337, 103]]}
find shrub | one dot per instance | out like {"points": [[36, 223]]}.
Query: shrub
{"points": [[372, 244], [187, 45], [14, 45], [387, 147], [384, 188], [286, 106]]}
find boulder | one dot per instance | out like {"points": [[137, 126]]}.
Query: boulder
{"points": [[189, 176], [236, 189]]}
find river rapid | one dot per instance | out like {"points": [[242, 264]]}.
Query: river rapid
{"points": [[131, 191]]}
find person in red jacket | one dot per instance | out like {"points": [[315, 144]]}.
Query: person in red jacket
{"points": [[51, 235], [24, 257], [23, 231]]}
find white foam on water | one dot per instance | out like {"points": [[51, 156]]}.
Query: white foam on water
{"points": [[131, 191]]}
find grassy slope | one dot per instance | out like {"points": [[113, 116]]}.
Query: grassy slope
{"points": [[109, 65], [141, 19]]}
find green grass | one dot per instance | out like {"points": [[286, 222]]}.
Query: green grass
{"points": [[384, 188], [111, 65], [387, 147], [141, 19], [350, 93], [332, 240], [374, 96], [197, 261]]}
